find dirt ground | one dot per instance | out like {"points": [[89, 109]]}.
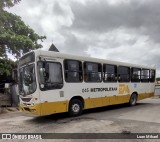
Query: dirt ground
{"points": [[142, 118]]}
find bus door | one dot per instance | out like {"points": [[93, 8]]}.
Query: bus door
{"points": [[51, 87]]}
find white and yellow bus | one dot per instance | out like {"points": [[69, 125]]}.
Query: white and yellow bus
{"points": [[52, 82]]}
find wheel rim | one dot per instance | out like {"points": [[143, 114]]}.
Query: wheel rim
{"points": [[75, 108]]}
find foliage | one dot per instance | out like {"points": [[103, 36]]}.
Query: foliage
{"points": [[6, 66], [15, 37], [8, 3]]}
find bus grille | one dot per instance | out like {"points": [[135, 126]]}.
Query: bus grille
{"points": [[26, 99]]}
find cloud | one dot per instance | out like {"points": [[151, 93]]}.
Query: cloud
{"points": [[122, 30], [100, 16], [45, 16]]}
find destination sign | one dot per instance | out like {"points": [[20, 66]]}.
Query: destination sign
{"points": [[28, 58]]}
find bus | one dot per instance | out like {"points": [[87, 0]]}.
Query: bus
{"points": [[52, 82]]}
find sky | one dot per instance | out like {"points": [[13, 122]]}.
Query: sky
{"points": [[119, 30]]}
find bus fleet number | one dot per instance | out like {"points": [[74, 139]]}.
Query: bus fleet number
{"points": [[85, 90]]}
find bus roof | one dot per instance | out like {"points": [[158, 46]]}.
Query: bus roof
{"points": [[51, 54]]}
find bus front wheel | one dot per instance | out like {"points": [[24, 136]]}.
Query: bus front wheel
{"points": [[133, 99], [75, 107]]}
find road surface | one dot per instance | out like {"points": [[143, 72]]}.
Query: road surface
{"points": [[142, 118]]}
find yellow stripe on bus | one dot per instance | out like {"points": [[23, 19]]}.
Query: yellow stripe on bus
{"points": [[48, 108]]}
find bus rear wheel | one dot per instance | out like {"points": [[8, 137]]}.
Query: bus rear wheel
{"points": [[133, 99], [75, 107]]}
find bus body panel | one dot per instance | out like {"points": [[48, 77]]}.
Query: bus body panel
{"points": [[94, 94]]}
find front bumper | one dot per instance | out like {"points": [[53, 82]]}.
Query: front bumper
{"points": [[31, 109]]}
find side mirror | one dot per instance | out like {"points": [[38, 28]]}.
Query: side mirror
{"points": [[42, 71], [42, 74]]}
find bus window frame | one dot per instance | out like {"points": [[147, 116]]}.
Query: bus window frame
{"points": [[104, 72], [39, 75], [84, 72], [118, 75], [131, 70], [154, 75], [143, 75], [64, 71]]}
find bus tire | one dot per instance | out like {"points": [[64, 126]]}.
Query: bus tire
{"points": [[75, 107], [133, 99]]}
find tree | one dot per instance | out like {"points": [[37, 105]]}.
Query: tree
{"points": [[6, 66], [8, 3], [15, 37]]}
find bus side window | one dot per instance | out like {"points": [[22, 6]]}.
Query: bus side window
{"points": [[73, 71], [123, 74], [145, 75], [152, 75], [50, 75], [92, 72], [135, 74], [110, 73]]}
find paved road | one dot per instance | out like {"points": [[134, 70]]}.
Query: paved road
{"points": [[142, 118]]}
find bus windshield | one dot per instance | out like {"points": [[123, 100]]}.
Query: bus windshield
{"points": [[27, 80]]}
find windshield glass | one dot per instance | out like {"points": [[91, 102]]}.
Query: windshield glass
{"points": [[27, 80]]}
